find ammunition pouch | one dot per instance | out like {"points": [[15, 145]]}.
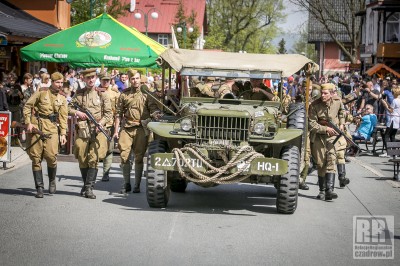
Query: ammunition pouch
{"points": [[83, 130]]}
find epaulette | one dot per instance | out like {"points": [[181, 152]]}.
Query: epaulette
{"points": [[44, 89]]}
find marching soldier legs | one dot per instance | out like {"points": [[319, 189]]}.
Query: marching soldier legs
{"points": [[329, 183], [90, 180], [38, 177], [52, 179], [322, 188], [138, 177], [106, 167], [126, 172], [343, 180], [84, 172]]}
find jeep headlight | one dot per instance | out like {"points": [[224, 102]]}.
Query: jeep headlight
{"points": [[259, 128], [186, 124]]}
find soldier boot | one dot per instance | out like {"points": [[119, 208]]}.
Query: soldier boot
{"points": [[38, 177], [321, 184], [52, 179], [138, 178], [126, 172], [343, 180], [329, 181], [90, 180], [84, 172], [303, 177]]}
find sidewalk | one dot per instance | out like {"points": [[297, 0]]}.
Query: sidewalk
{"points": [[19, 158]]}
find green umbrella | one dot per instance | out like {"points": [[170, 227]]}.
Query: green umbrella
{"points": [[99, 41]]}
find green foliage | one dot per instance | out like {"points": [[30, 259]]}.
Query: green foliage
{"points": [[282, 48], [81, 9], [185, 38], [243, 25], [303, 47]]}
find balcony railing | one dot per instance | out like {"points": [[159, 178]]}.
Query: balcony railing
{"points": [[388, 50]]}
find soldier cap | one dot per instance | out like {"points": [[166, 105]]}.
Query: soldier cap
{"points": [[105, 76], [131, 73], [57, 76], [89, 72], [316, 87], [328, 86], [210, 78], [143, 79]]}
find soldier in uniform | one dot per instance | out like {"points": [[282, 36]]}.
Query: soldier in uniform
{"points": [[113, 94], [206, 89], [326, 108], [47, 111], [90, 145], [134, 106]]}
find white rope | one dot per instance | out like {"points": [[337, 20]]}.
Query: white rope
{"points": [[213, 174]]}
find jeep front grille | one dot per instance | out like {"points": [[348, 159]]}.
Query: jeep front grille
{"points": [[222, 128]]}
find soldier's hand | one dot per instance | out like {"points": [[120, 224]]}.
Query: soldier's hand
{"points": [[81, 115], [63, 139], [116, 136], [29, 128], [331, 132]]}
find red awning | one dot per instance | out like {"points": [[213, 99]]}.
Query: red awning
{"points": [[381, 70]]}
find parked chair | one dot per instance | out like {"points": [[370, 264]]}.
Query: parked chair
{"points": [[393, 149]]}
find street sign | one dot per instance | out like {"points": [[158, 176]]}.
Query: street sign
{"points": [[5, 137]]}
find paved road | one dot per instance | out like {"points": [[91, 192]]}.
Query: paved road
{"points": [[225, 225]]}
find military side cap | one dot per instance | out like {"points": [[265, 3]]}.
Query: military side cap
{"points": [[105, 76], [131, 72], [328, 86], [143, 79], [56, 76], [210, 78], [89, 72]]}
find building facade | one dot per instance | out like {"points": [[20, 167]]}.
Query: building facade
{"points": [[160, 28], [24, 22], [380, 42]]}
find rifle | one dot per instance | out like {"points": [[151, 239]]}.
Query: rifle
{"points": [[42, 135], [92, 119], [341, 133]]}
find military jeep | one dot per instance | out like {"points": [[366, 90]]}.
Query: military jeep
{"points": [[212, 141]]}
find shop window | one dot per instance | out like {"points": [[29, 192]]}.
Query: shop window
{"points": [[393, 28]]}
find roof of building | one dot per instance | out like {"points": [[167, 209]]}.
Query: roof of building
{"points": [[317, 31], [16, 22], [167, 10]]}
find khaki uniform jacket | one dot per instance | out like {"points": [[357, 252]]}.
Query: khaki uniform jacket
{"points": [[45, 102], [134, 106], [319, 110], [113, 95], [95, 102]]}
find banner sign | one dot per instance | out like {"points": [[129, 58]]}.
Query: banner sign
{"points": [[5, 137]]}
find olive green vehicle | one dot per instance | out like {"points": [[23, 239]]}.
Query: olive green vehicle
{"points": [[212, 141]]}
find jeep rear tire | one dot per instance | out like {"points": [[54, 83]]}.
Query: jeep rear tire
{"points": [[157, 183], [288, 185]]}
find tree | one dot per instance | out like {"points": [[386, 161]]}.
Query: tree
{"points": [[339, 20], [186, 38], [282, 48], [81, 9], [303, 47], [247, 25]]}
